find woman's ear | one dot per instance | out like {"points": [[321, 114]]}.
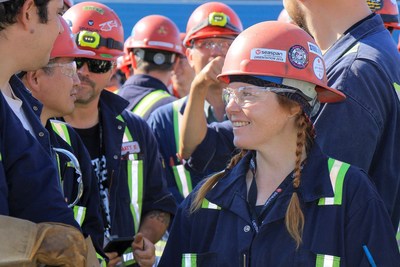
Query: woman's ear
{"points": [[294, 110]]}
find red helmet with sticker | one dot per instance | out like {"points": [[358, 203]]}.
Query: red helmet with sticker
{"points": [[287, 55], [212, 19], [388, 10], [156, 32], [96, 28], [65, 45]]}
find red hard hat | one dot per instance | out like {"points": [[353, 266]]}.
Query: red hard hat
{"points": [[287, 55], [65, 45], [212, 19], [68, 3], [156, 32], [388, 10], [97, 28]]}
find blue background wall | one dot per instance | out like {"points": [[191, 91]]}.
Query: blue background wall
{"points": [[250, 12]]}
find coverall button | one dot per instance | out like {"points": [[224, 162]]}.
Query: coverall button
{"points": [[119, 127], [41, 134], [246, 228], [35, 108], [115, 156]]}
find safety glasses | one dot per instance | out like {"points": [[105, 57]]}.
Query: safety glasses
{"points": [[211, 44], [68, 69], [94, 65], [247, 95]]}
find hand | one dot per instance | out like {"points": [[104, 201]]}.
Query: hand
{"points": [[143, 251], [114, 259], [207, 77]]}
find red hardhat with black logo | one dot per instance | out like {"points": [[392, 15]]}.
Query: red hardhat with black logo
{"points": [[212, 19], [96, 28], [286, 56], [65, 45], [388, 10]]}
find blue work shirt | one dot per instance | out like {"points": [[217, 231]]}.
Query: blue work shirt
{"points": [[88, 205], [221, 232], [140, 85], [164, 122], [33, 188], [155, 195], [363, 130]]}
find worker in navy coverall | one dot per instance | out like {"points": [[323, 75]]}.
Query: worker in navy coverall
{"points": [[362, 62], [30, 169], [154, 49], [124, 153], [53, 87], [281, 201], [164, 121]]}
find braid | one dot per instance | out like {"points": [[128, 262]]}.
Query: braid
{"points": [[211, 181], [294, 218]]}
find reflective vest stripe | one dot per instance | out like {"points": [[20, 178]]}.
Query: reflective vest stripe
{"points": [[148, 101], [337, 172], [327, 261], [189, 260], [61, 129], [182, 176], [135, 180], [79, 214], [208, 205]]}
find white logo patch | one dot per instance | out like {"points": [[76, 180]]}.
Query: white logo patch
{"points": [[130, 148], [318, 67], [268, 54]]}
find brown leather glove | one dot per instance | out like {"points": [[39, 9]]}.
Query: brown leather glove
{"points": [[60, 245]]}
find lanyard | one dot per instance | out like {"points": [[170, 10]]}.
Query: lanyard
{"points": [[256, 219]]}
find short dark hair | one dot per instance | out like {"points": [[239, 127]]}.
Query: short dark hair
{"points": [[10, 9]]}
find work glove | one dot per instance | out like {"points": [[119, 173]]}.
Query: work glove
{"points": [[60, 245]]}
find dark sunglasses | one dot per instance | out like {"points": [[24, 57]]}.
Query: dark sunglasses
{"points": [[94, 65]]}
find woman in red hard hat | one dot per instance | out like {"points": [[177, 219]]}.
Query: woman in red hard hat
{"points": [[280, 201]]}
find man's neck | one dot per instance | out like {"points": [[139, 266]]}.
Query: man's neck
{"points": [[342, 15], [84, 116]]}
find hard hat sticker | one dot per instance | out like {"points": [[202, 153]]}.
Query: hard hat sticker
{"points": [[268, 54], [318, 67], [375, 5], [298, 56], [108, 25], [313, 48]]}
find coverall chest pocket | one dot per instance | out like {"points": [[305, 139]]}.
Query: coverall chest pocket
{"points": [[208, 259]]}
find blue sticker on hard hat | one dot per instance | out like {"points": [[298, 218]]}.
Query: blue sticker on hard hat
{"points": [[298, 56]]}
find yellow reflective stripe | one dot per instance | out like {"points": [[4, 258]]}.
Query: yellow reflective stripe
{"points": [[337, 173], [182, 179], [398, 236], [1, 157], [189, 260], [135, 179], [148, 101], [160, 245], [79, 214], [208, 205], [327, 261], [102, 261], [61, 129], [128, 258], [177, 119]]}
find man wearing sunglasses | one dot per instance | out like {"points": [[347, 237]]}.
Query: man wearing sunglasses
{"points": [[54, 86], [154, 50], [134, 198], [211, 29]]}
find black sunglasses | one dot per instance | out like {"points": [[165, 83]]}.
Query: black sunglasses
{"points": [[94, 65]]}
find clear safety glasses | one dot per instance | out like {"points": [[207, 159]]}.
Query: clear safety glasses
{"points": [[247, 95], [68, 69], [211, 44], [74, 163]]}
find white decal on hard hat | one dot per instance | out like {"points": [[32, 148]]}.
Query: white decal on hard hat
{"points": [[319, 69], [108, 25], [313, 48], [268, 54]]}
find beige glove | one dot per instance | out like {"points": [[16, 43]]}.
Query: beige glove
{"points": [[60, 245]]}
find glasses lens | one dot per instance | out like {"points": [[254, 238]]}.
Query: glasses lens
{"points": [[226, 95], [94, 65]]}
